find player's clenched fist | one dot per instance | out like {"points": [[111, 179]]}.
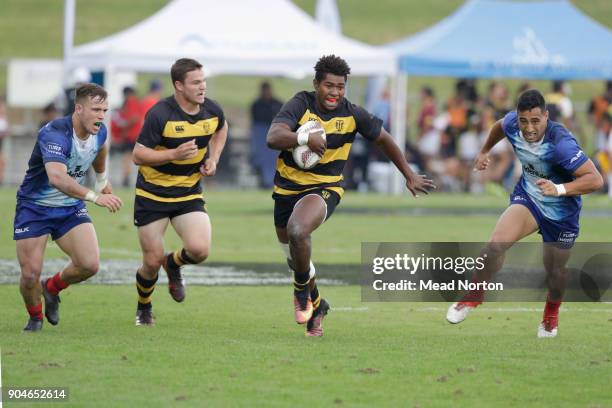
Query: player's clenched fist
{"points": [[187, 150]]}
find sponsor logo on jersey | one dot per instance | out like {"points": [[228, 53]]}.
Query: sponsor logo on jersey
{"points": [[532, 170], [77, 172], [339, 125], [54, 148], [576, 157], [21, 230]]}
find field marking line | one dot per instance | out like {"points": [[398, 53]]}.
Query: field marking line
{"points": [[518, 309], [350, 309]]}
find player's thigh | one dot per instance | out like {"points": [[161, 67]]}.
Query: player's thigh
{"points": [[309, 212], [30, 254], [151, 237], [514, 224], [555, 257], [81, 245], [281, 234], [195, 231]]}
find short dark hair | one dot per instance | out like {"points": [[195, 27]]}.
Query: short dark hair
{"points": [[557, 85], [90, 90], [128, 90], [330, 64], [181, 67], [530, 99]]}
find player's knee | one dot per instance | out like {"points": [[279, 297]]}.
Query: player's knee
{"points": [[198, 253], [88, 268], [496, 247], [152, 262], [30, 277], [297, 233]]}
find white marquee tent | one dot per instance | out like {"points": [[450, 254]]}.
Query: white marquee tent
{"points": [[241, 37]]}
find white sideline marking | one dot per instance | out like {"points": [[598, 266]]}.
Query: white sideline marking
{"points": [[350, 309], [517, 309]]}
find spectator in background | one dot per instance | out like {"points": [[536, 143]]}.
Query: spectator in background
{"points": [[4, 132], [154, 95], [382, 108], [263, 110], [559, 105], [356, 169], [49, 113], [604, 157], [523, 86], [469, 146], [501, 155], [127, 123], [65, 101], [462, 105], [497, 99], [599, 106], [428, 111]]}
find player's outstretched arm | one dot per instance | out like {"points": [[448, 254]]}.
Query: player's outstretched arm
{"points": [[145, 156], [588, 179], [215, 147], [496, 134], [414, 182], [60, 179]]}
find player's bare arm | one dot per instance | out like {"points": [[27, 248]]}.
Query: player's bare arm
{"points": [[145, 156], [414, 182], [587, 181], [496, 134], [60, 179], [103, 185], [215, 147], [280, 137]]}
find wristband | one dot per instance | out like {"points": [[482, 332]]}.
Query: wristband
{"points": [[302, 138], [91, 196], [101, 181], [560, 189]]}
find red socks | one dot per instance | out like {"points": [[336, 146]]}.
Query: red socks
{"points": [[552, 307], [35, 311], [56, 284]]}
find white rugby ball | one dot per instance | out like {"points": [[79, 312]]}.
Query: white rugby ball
{"points": [[302, 155]]}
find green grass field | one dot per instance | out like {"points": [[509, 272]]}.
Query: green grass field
{"points": [[232, 346], [238, 345]]}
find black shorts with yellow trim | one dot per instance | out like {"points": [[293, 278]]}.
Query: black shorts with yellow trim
{"points": [[284, 204], [147, 211]]}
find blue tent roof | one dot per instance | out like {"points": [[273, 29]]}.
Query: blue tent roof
{"points": [[497, 38]]}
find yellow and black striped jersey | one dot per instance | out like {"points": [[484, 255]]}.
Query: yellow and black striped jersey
{"points": [[167, 126], [341, 125]]}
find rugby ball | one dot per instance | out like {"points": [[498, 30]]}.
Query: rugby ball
{"points": [[302, 155]]}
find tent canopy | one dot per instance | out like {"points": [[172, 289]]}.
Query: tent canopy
{"points": [[242, 37], [511, 39]]}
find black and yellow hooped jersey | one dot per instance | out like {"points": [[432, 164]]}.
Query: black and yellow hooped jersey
{"points": [[341, 125], [167, 126]]}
